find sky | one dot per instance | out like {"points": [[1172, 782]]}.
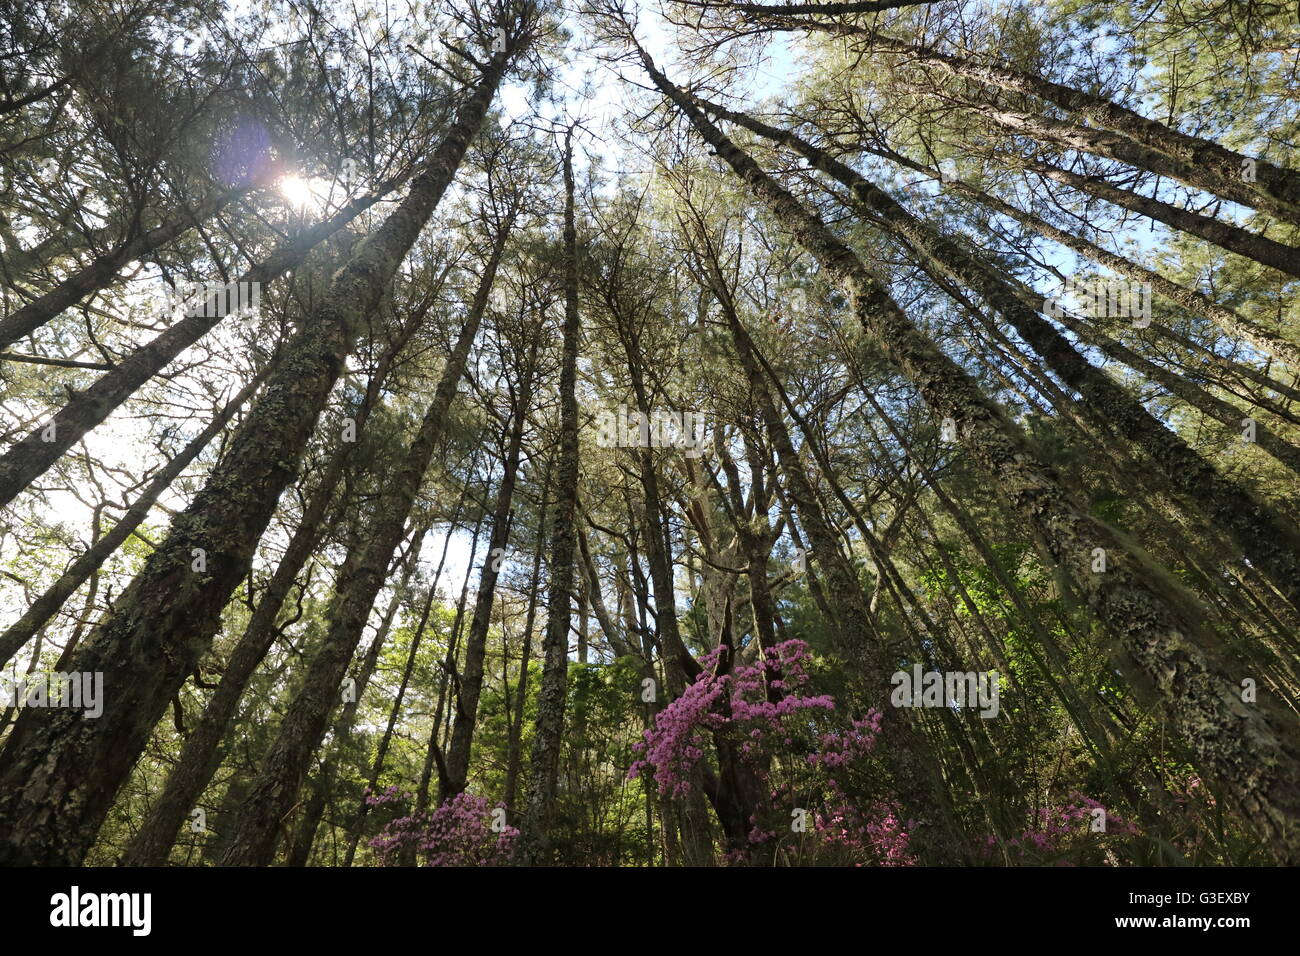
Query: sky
{"points": [[602, 113], [118, 441]]}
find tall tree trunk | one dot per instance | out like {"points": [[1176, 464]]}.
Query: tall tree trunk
{"points": [[1071, 136], [514, 747], [381, 753], [433, 754], [1210, 405], [471, 678], [1216, 167], [276, 789], [1250, 751], [1267, 538], [906, 754], [48, 604], [548, 735], [1233, 323], [1261, 249], [59, 774], [323, 786], [200, 755]]}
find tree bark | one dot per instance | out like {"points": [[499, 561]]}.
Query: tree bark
{"points": [[1261, 249], [59, 774], [273, 794], [548, 735], [514, 747], [323, 786], [100, 272], [471, 678], [1251, 751], [200, 755], [30, 458], [381, 753], [1265, 536], [48, 604], [1208, 165]]}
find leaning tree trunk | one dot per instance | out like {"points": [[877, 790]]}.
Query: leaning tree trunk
{"points": [[323, 786], [30, 458], [275, 791], [59, 774], [433, 756], [1261, 249], [48, 604], [1215, 168], [1109, 145], [907, 754], [200, 755], [385, 741], [100, 272], [514, 746], [1267, 539], [1233, 323], [1209, 405], [1276, 189], [1206, 164], [1251, 751]]}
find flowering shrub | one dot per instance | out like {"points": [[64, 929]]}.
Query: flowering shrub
{"points": [[763, 711], [849, 836], [458, 833], [735, 703], [840, 749], [1065, 831]]}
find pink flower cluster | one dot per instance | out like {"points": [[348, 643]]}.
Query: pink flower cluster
{"points": [[736, 701], [1058, 829], [877, 837], [838, 749], [761, 709], [458, 833]]}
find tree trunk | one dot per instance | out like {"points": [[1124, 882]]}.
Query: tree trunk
{"points": [[59, 774], [1265, 251], [907, 755], [323, 786], [1213, 167], [48, 604], [100, 272], [548, 735], [514, 748], [1266, 538], [1249, 751], [200, 755], [273, 794], [381, 753], [30, 458], [471, 678]]}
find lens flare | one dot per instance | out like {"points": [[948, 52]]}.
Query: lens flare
{"points": [[298, 192]]}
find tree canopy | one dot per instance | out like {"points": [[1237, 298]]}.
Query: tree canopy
{"points": [[675, 433]]}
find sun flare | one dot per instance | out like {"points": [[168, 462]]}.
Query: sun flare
{"points": [[299, 192]]}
